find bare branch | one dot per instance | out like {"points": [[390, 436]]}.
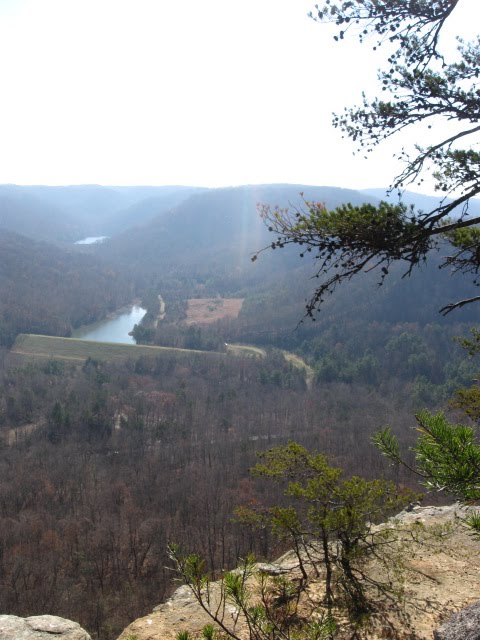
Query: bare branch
{"points": [[456, 305]]}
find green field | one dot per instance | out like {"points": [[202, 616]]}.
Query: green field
{"points": [[36, 346]]}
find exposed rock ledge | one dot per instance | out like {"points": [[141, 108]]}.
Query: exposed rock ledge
{"points": [[464, 625], [440, 578], [40, 628]]}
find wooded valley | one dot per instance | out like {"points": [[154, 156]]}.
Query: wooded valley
{"points": [[104, 463]]}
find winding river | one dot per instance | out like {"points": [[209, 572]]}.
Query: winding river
{"points": [[115, 328]]}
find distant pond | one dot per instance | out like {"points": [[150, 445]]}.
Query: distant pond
{"points": [[114, 328], [92, 240]]}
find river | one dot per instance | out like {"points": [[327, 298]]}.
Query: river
{"points": [[115, 328]]}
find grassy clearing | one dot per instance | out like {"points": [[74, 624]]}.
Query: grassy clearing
{"points": [[246, 350], [258, 352], [209, 310], [36, 346], [300, 364]]}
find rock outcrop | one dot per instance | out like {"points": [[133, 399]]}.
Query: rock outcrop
{"points": [[464, 625], [40, 628], [440, 576]]}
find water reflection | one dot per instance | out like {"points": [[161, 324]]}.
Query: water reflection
{"points": [[113, 329], [92, 240]]}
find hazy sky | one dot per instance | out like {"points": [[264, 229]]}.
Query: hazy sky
{"points": [[210, 92]]}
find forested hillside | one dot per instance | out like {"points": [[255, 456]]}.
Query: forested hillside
{"points": [[47, 290], [216, 228], [23, 212], [68, 213], [102, 465], [203, 249]]}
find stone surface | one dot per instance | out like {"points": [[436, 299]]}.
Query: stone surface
{"points": [[441, 575], [40, 628], [464, 625]]}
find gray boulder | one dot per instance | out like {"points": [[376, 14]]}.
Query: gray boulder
{"points": [[464, 625], [40, 628]]}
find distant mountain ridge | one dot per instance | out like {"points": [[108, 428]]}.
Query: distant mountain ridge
{"points": [[24, 213], [219, 220], [419, 200], [65, 214], [68, 213], [186, 242]]}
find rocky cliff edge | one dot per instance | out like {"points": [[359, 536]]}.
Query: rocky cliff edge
{"points": [[440, 576]]}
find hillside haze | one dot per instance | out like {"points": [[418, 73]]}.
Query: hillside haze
{"points": [[189, 242], [421, 201], [218, 221], [66, 214]]}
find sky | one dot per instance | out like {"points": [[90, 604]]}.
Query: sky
{"points": [[208, 93]]}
